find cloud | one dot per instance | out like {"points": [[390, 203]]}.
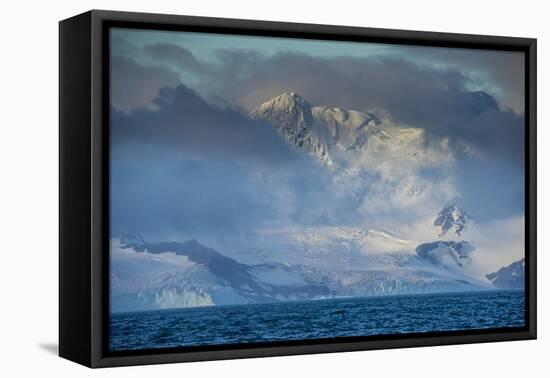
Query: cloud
{"points": [[176, 55], [183, 121], [134, 85], [501, 73], [162, 194]]}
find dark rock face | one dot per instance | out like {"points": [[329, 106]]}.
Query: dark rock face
{"points": [[452, 219], [446, 253], [292, 116]]}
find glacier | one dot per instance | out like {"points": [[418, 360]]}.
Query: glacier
{"points": [[148, 275]]}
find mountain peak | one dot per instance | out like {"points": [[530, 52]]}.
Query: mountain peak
{"points": [[293, 117], [286, 102], [293, 95], [320, 131], [452, 218]]}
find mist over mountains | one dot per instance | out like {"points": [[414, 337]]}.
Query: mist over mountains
{"points": [[296, 201]]}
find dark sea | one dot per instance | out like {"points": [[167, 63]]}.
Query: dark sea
{"points": [[316, 319]]}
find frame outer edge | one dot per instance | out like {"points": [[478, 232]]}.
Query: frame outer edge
{"points": [[99, 17], [74, 175], [96, 203], [532, 105]]}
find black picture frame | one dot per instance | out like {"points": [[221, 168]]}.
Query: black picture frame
{"points": [[84, 186]]}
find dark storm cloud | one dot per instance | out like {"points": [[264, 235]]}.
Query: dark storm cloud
{"points": [[436, 99], [134, 85], [185, 122], [504, 69], [192, 167]]}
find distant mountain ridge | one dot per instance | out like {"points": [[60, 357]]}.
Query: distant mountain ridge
{"points": [[509, 277], [146, 275]]}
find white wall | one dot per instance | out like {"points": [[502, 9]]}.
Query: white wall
{"points": [[28, 188]]}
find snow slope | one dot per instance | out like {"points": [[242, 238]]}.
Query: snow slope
{"points": [[147, 275]]}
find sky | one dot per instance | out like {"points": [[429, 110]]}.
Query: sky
{"points": [[187, 159]]}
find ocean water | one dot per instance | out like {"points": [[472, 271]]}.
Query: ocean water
{"points": [[316, 319]]}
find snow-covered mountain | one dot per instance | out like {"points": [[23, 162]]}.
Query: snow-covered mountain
{"points": [[146, 275], [509, 277], [452, 219], [342, 137]]}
